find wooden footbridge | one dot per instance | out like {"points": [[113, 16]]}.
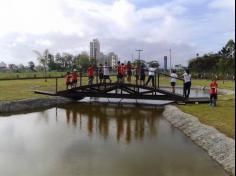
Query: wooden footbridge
{"points": [[124, 91]]}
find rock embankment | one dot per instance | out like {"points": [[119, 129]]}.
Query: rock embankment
{"points": [[219, 147], [31, 104]]}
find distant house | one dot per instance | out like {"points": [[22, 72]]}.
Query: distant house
{"points": [[3, 66]]}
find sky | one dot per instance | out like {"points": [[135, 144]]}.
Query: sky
{"points": [[186, 27]]}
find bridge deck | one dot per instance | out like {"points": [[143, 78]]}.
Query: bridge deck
{"points": [[123, 91]]}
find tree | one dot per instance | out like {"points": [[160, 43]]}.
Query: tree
{"points": [[154, 64], [43, 59], [31, 65], [68, 60], [12, 67]]}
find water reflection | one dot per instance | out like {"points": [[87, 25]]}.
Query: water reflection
{"points": [[130, 124], [93, 140]]}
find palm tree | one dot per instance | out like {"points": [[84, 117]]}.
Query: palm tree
{"points": [[43, 59]]}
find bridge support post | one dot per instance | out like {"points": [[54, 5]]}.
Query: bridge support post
{"points": [[56, 85], [96, 75], [80, 78]]}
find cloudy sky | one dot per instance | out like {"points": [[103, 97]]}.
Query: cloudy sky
{"points": [[186, 26]]}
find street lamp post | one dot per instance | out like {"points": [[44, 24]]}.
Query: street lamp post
{"points": [[170, 59], [139, 50]]}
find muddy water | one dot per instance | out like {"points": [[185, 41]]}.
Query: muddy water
{"points": [[93, 140]]}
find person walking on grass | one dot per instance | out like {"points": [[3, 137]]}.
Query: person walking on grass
{"points": [[90, 74], [106, 73], [151, 75], [213, 92], [187, 83], [173, 76]]}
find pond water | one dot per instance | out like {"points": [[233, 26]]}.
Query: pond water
{"points": [[94, 140]]}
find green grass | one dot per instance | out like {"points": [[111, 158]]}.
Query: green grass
{"points": [[222, 117], [14, 75]]}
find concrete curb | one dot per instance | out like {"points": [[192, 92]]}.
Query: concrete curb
{"points": [[220, 147], [31, 104]]}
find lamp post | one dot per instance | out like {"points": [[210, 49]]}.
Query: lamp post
{"points": [[170, 59], [139, 50]]}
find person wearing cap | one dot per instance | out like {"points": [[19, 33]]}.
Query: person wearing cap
{"points": [[74, 77]]}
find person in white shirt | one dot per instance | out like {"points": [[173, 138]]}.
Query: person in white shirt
{"points": [[151, 75], [173, 76], [106, 73], [187, 83]]}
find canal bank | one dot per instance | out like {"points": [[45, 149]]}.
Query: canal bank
{"points": [[217, 145], [220, 147]]}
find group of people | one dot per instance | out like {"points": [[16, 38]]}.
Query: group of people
{"points": [[123, 71], [187, 82], [187, 85], [71, 79], [140, 74]]}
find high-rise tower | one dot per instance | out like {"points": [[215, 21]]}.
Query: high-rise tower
{"points": [[95, 49]]}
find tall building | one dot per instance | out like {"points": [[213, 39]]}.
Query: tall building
{"points": [[95, 49], [165, 62], [112, 59]]}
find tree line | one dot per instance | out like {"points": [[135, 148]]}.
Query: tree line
{"points": [[219, 63]]}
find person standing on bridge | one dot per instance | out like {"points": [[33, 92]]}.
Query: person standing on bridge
{"points": [[90, 74], [151, 75], [129, 71], [74, 77], [68, 80], [137, 72], [142, 75], [187, 83], [173, 76], [119, 72], [106, 73], [100, 73], [123, 71]]}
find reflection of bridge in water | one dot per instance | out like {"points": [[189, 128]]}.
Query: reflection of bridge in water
{"points": [[124, 91], [126, 123]]}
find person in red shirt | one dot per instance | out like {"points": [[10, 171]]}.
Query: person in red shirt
{"points": [[90, 74], [68, 80], [213, 92], [122, 71], [74, 77]]}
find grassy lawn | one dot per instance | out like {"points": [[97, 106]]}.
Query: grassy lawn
{"points": [[221, 117], [13, 75]]}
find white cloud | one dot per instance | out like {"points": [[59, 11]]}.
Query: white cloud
{"points": [[69, 25]]}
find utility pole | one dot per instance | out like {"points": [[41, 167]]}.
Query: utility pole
{"points": [[139, 50], [170, 59]]}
